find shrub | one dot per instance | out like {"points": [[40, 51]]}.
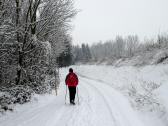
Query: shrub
{"points": [[19, 94]]}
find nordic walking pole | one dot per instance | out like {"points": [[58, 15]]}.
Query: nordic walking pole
{"points": [[77, 95], [66, 94]]}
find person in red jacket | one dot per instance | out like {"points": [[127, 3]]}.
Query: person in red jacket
{"points": [[72, 81]]}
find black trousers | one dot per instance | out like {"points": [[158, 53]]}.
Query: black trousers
{"points": [[72, 93]]}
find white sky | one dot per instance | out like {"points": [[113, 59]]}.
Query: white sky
{"points": [[104, 19]]}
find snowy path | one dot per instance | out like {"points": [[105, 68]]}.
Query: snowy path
{"points": [[115, 108], [100, 105]]}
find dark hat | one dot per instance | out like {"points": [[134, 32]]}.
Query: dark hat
{"points": [[70, 70]]}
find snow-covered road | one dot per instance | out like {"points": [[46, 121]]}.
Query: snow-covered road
{"points": [[100, 104], [109, 107]]}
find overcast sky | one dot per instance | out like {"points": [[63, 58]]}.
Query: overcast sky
{"points": [[104, 19]]}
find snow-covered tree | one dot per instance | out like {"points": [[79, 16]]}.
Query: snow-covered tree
{"points": [[126, 47], [66, 57], [132, 43], [33, 33], [82, 54]]}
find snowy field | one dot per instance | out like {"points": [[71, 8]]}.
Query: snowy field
{"points": [[108, 96]]}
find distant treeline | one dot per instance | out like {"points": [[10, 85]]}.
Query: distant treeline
{"points": [[118, 48]]}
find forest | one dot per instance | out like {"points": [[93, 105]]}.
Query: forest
{"points": [[33, 36]]}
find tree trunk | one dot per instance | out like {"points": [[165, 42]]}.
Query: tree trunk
{"points": [[19, 44], [34, 16]]}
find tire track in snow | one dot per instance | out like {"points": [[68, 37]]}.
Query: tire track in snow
{"points": [[104, 99], [97, 80], [82, 115], [28, 116], [122, 111], [118, 114]]}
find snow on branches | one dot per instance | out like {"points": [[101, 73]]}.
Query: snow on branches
{"points": [[32, 36]]}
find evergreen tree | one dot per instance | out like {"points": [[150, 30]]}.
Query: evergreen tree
{"points": [[65, 58], [82, 54], [88, 53]]}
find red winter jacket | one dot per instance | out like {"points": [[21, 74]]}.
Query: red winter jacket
{"points": [[71, 79]]}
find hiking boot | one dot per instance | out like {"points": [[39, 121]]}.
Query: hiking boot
{"points": [[72, 102]]}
